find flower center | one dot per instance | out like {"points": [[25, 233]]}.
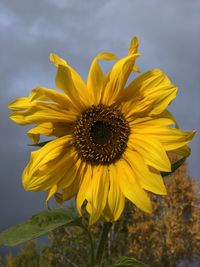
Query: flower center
{"points": [[101, 135]]}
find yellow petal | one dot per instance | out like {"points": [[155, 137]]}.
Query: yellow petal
{"points": [[43, 112], [133, 49], [116, 200], [41, 93], [153, 86], [147, 179], [97, 193], [106, 56], [167, 115], [131, 188], [21, 103], [49, 129], [56, 60], [70, 172], [64, 82], [170, 138], [34, 135], [72, 189], [151, 150], [77, 81], [162, 98], [46, 165], [118, 78], [136, 68], [39, 107], [51, 192], [95, 80], [37, 94], [163, 119], [43, 128], [134, 44], [81, 196], [145, 82], [134, 109]]}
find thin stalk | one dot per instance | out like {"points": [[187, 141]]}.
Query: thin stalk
{"points": [[103, 240], [91, 245]]}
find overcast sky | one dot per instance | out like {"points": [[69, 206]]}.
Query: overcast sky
{"points": [[77, 30]]}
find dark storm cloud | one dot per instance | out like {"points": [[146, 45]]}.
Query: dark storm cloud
{"points": [[77, 30]]}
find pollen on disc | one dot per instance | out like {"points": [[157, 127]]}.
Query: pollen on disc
{"points": [[101, 135]]}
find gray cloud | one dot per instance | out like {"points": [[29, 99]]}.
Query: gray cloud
{"points": [[77, 30]]}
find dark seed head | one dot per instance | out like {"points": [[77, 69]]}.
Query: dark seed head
{"points": [[101, 135]]}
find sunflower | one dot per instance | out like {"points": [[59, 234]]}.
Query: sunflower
{"points": [[111, 139]]}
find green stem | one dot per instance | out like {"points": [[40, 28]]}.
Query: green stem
{"points": [[91, 244], [102, 243]]}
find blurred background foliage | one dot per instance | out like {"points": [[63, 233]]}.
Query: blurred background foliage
{"points": [[170, 237]]}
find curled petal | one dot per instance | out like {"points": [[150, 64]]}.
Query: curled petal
{"points": [[49, 129], [154, 87], [133, 49], [170, 138], [81, 196], [45, 167], [118, 78], [77, 86], [96, 78]]}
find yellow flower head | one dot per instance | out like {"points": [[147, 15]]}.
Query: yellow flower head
{"points": [[111, 138]]}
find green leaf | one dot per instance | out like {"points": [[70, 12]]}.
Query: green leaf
{"points": [[41, 144], [40, 224], [175, 166], [129, 262]]}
